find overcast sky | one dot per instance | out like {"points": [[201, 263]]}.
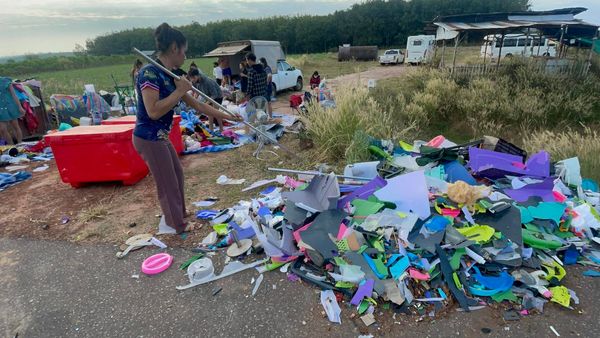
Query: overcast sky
{"points": [[34, 26]]}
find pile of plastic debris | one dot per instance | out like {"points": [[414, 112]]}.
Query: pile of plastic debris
{"points": [[429, 225]]}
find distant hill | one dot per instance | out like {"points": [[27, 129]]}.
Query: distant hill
{"points": [[17, 58]]}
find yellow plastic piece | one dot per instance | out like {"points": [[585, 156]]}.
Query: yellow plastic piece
{"points": [[478, 233]]}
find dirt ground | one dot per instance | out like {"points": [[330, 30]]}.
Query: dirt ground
{"points": [[44, 207], [378, 73]]}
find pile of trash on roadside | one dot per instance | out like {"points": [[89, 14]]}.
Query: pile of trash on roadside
{"points": [[423, 227]]}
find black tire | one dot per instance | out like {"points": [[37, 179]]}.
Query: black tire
{"points": [[299, 84], [509, 55], [546, 54], [273, 90]]}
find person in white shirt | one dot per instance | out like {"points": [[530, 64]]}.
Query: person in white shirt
{"points": [[218, 73]]}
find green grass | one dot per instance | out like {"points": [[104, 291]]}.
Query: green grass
{"points": [[327, 65], [71, 82]]}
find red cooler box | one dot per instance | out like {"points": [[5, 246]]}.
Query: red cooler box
{"points": [[97, 154], [174, 136]]}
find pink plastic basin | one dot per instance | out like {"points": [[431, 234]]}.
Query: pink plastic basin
{"points": [[157, 263]]}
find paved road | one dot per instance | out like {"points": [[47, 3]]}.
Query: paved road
{"points": [[58, 289]]}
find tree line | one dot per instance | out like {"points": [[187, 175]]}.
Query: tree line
{"points": [[373, 22]]}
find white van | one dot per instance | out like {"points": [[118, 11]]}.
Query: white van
{"points": [[284, 75], [517, 44], [420, 48]]}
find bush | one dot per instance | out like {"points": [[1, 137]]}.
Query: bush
{"points": [[517, 100], [562, 145], [341, 132]]}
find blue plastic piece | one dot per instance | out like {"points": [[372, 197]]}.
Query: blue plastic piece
{"points": [[571, 255], [589, 184], [206, 214], [437, 224], [490, 285], [457, 172]]}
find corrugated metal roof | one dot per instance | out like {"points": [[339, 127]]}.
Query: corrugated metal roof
{"points": [[227, 50], [449, 30], [550, 22], [481, 17]]}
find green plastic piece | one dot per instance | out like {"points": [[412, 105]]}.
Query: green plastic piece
{"points": [[364, 208], [362, 248], [485, 204], [455, 259], [273, 266], [539, 241], [342, 245], [344, 285], [434, 273], [456, 280], [563, 235], [377, 244], [506, 295], [187, 263], [220, 229], [379, 153], [380, 266], [478, 233], [363, 306]]}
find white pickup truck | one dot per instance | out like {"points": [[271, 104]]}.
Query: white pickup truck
{"points": [[284, 75], [391, 56]]}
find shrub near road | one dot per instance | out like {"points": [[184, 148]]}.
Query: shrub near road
{"points": [[514, 103]]}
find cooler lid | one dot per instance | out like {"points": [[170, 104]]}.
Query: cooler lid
{"points": [[90, 134]]}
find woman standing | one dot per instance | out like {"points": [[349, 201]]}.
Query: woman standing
{"points": [[10, 112], [268, 96], [244, 76], [158, 95]]}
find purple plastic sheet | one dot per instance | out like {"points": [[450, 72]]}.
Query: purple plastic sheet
{"points": [[363, 192], [364, 290], [542, 189], [492, 164]]}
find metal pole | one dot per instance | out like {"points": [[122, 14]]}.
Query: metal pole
{"points": [[500, 51], [317, 173], [455, 48], [486, 42], [526, 42], [442, 64], [171, 74], [562, 34], [589, 60]]}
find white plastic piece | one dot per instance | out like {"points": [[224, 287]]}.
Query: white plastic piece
{"points": [[230, 269], [257, 284]]}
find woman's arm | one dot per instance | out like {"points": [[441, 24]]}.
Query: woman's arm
{"points": [[158, 108], [209, 110]]}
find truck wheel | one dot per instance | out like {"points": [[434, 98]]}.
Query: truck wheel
{"points": [[299, 85], [546, 54], [273, 90]]}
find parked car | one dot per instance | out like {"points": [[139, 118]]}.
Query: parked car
{"points": [[284, 75], [391, 56], [420, 48]]}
